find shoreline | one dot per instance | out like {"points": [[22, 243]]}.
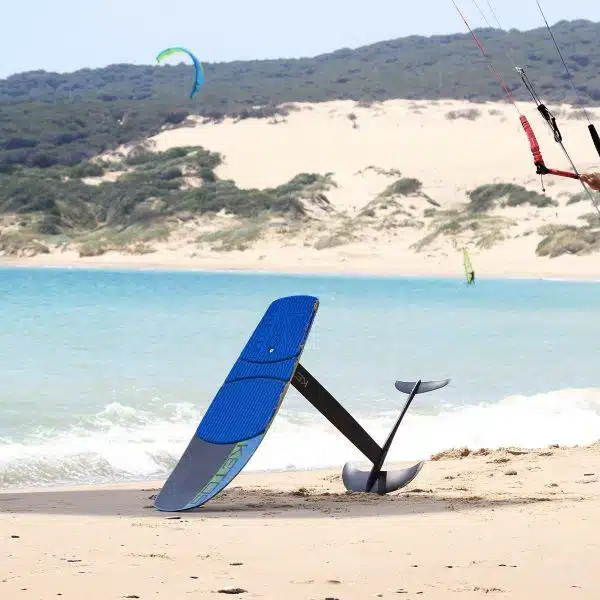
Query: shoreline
{"points": [[469, 526], [261, 476], [358, 223], [308, 270]]}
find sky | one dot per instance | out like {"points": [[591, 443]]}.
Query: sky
{"points": [[66, 35]]}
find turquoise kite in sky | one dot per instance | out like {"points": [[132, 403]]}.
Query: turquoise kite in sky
{"points": [[199, 70]]}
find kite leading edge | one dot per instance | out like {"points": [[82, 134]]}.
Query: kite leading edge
{"points": [[199, 79]]}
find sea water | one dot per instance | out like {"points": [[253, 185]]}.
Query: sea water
{"points": [[105, 375]]}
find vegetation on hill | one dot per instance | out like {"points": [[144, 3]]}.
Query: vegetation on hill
{"points": [[488, 197], [53, 188], [148, 193], [49, 119], [569, 239]]}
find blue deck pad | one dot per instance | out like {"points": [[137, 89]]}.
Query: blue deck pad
{"points": [[244, 407], [241, 410], [252, 392], [282, 331]]}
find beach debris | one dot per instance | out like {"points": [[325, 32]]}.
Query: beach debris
{"points": [[235, 564], [510, 472], [15, 537], [587, 480], [232, 590], [453, 453]]}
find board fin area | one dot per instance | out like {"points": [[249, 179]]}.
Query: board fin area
{"points": [[244, 407], [356, 480], [376, 480], [406, 387]]}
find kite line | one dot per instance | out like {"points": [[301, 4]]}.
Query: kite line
{"points": [[549, 118]]}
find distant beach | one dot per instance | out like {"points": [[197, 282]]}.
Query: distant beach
{"points": [[397, 201]]}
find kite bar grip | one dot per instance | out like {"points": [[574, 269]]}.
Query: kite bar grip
{"points": [[559, 173], [595, 137], [537, 154], [533, 143]]}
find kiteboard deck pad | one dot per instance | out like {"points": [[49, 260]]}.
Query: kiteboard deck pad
{"points": [[243, 409]]}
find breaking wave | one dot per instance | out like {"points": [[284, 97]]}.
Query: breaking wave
{"points": [[122, 443]]}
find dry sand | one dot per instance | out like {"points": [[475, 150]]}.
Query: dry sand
{"points": [[442, 144], [503, 524]]}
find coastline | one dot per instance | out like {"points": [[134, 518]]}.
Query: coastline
{"points": [[486, 523], [357, 224], [562, 269]]}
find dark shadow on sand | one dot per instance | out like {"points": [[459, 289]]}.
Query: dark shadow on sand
{"points": [[251, 503]]}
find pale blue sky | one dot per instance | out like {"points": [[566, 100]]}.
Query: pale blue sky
{"points": [[65, 35]]}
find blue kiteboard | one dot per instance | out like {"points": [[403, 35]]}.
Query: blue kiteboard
{"points": [[243, 409]]}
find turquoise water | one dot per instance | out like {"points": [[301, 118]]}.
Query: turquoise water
{"points": [[104, 375]]}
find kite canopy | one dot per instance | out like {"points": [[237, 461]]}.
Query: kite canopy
{"points": [[199, 80], [468, 266]]}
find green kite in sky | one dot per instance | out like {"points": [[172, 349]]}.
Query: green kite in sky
{"points": [[199, 80]]}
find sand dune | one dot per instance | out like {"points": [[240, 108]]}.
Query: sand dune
{"points": [[450, 147]]}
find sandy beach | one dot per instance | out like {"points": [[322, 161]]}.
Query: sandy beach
{"points": [[504, 524], [450, 147], [519, 524]]}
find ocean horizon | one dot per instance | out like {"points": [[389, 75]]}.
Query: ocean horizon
{"points": [[106, 373]]}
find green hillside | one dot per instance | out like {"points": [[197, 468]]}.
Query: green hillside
{"points": [[49, 118], [52, 124]]}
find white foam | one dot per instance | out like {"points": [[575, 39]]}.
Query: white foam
{"points": [[122, 442]]}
